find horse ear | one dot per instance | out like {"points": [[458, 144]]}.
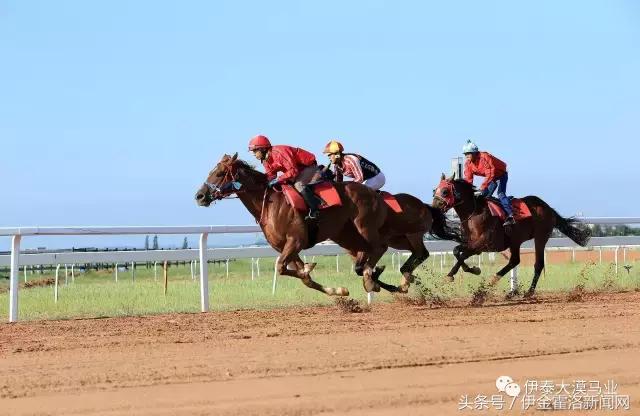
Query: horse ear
{"points": [[234, 157], [442, 177], [452, 177]]}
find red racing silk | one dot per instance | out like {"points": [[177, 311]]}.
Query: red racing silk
{"points": [[289, 160], [488, 166]]}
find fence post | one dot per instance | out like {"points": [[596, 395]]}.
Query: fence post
{"points": [[252, 269], [204, 273], [275, 276], [55, 290], [616, 259], [369, 298], [66, 274], [116, 273], [258, 266], [514, 278], [25, 273], [133, 271], [337, 263], [73, 273], [14, 284], [227, 268], [155, 271]]}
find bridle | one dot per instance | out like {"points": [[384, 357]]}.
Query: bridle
{"points": [[231, 185], [454, 198]]}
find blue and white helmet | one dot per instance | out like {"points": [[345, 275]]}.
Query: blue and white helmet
{"points": [[470, 147]]}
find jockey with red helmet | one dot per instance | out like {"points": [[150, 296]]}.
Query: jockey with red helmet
{"points": [[297, 166], [353, 166], [495, 172]]}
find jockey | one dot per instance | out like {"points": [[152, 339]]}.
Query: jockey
{"points": [[298, 167], [495, 172], [353, 166]]}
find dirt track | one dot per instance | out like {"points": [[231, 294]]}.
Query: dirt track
{"points": [[396, 359]]}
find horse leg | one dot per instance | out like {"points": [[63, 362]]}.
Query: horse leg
{"points": [[461, 254], [540, 244], [359, 259], [369, 283], [465, 267], [419, 254], [514, 260], [290, 254]]}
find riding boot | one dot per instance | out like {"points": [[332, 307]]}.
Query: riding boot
{"points": [[506, 205], [312, 202]]}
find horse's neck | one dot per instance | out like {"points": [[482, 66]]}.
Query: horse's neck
{"points": [[466, 209], [252, 200]]}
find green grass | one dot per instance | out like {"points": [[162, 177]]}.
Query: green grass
{"points": [[96, 294]]}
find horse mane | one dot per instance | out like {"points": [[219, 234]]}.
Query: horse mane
{"points": [[464, 184], [249, 168]]}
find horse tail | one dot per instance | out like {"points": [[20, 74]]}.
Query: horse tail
{"points": [[573, 228], [442, 227]]}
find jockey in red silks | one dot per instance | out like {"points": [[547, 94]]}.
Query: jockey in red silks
{"points": [[297, 167], [353, 166], [493, 170]]}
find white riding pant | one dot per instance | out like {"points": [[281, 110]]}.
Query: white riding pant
{"points": [[376, 182]]}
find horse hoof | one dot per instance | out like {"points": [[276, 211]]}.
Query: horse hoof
{"points": [[449, 279], [529, 294], [308, 267], [368, 284], [494, 280], [403, 289], [407, 279], [342, 291], [512, 294], [475, 270]]}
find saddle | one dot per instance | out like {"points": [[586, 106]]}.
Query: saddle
{"points": [[520, 210], [325, 191], [329, 197]]}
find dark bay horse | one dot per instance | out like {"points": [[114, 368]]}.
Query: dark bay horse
{"points": [[285, 228], [405, 231], [483, 232]]}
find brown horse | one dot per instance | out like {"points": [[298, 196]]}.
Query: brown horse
{"points": [[405, 231], [362, 211], [483, 232]]}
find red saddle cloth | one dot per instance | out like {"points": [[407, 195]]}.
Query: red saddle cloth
{"points": [[520, 209], [324, 190], [391, 201]]}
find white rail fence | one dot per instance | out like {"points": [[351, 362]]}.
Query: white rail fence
{"points": [[204, 254]]}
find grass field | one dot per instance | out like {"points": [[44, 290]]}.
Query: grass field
{"points": [[96, 294]]}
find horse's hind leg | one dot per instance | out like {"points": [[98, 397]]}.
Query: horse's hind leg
{"points": [[419, 254], [540, 244], [514, 260]]}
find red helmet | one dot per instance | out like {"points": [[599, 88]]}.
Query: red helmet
{"points": [[259, 142]]}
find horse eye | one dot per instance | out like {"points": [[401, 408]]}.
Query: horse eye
{"points": [[220, 174], [434, 192], [445, 192]]}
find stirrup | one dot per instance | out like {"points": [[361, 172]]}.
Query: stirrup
{"points": [[510, 221], [312, 215]]}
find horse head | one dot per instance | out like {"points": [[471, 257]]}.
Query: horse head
{"points": [[451, 193], [230, 176]]}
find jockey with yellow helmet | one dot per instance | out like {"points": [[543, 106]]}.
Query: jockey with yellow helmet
{"points": [[353, 166]]}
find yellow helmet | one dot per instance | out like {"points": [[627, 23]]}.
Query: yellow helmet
{"points": [[332, 147]]}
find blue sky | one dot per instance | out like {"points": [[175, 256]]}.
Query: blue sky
{"points": [[112, 112]]}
